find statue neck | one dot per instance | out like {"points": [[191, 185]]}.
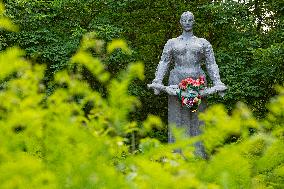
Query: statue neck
{"points": [[187, 34]]}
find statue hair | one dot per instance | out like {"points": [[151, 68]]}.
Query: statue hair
{"points": [[187, 13]]}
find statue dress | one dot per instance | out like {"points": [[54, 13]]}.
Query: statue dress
{"points": [[187, 52]]}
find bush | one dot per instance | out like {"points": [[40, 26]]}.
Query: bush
{"points": [[78, 137]]}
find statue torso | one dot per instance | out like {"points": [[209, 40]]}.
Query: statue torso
{"points": [[187, 55]]}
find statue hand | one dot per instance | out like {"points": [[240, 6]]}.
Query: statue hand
{"points": [[156, 91], [157, 87], [172, 89], [222, 93], [219, 88]]}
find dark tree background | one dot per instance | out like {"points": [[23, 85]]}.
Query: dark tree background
{"points": [[247, 37]]}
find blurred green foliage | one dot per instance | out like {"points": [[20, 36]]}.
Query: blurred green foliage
{"points": [[53, 142]]}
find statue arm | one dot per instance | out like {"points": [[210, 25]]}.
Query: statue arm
{"points": [[164, 63], [211, 66]]}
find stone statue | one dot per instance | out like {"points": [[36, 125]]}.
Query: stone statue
{"points": [[187, 52]]}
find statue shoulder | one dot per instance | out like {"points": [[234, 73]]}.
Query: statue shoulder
{"points": [[170, 43], [204, 42]]}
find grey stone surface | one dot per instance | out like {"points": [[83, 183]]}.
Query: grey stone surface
{"points": [[187, 52]]}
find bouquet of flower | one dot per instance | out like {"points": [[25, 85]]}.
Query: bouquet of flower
{"points": [[189, 92]]}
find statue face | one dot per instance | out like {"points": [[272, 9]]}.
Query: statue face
{"points": [[187, 21]]}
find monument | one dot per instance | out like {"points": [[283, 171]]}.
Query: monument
{"points": [[187, 52]]}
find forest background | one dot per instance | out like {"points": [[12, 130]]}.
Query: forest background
{"points": [[64, 118], [247, 38]]}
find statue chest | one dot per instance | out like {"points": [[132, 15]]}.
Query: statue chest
{"points": [[187, 50]]}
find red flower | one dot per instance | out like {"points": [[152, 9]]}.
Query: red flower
{"points": [[185, 101], [190, 80], [182, 100], [196, 83], [202, 80], [183, 84]]}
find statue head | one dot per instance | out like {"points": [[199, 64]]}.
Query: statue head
{"points": [[187, 21]]}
